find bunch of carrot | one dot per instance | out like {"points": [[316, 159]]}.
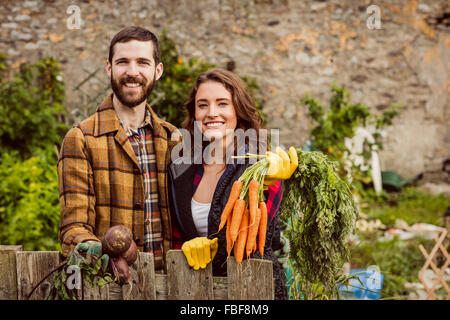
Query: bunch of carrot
{"points": [[245, 213]]}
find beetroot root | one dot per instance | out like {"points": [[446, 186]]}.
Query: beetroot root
{"points": [[121, 270]]}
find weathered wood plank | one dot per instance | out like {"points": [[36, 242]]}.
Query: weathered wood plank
{"points": [[220, 287], [143, 274], [8, 272], [185, 283], [111, 291], [161, 286], [32, 267], [250, 280]]}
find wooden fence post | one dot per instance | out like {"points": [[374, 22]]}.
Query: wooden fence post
{"points": [[143, 286], [185, 283], [250, 280], [32, 266], [8, 272]]}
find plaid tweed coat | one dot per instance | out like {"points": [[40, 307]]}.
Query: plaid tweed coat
{"points": [[100, 180]]}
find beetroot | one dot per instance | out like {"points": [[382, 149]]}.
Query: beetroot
{"points": [[116, 241], [131, 254]]}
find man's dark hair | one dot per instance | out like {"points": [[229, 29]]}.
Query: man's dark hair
{"points": [[135, 33]]}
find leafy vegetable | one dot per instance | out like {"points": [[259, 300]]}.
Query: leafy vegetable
{"points": [[320, 215], [95, 276]]}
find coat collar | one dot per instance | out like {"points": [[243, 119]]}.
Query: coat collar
{"points": [[107, 121]]}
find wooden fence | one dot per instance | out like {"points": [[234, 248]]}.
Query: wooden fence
{"points": [[21, 270], [439, 271]]}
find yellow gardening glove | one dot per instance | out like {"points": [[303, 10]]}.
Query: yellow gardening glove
{"points": [[200, 251], [281, 165]]}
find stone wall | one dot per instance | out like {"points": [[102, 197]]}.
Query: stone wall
{"points": [[290, 47]]}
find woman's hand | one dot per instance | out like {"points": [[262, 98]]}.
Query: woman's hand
{"points": [[281, 165], [200, 251]]}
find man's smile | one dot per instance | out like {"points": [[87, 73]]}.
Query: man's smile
{"points": [[132, 85]]}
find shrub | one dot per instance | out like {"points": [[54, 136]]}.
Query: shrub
{"points": [[30, 135], [30, 105], [29, 201], [330, 127]]}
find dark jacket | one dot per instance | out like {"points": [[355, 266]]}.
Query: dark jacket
{"points": [[181, 191]]}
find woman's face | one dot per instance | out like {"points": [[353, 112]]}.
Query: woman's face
{"points": [[215, 110]]}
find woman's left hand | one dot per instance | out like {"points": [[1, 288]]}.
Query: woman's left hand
{"points": [[281, 165], [200, 251]]}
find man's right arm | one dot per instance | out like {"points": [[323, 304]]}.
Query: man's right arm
{"points": [[76, 192]]}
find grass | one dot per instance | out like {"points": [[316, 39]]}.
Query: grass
{"points": [[399, 260], [410, 205]]}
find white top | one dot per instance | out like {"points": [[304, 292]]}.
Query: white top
{"points": [[200, 213]]}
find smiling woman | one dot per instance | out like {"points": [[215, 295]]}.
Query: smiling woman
{"points": [[222, 86], [214, 109], [218, 106]]}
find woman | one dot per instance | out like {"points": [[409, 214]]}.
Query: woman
{"points": [[218, 105]]}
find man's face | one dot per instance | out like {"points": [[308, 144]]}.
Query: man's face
{"points": [[133, 72]]}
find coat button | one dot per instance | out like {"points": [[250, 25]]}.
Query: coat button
{"points": [[138, 205], [138, 242]]}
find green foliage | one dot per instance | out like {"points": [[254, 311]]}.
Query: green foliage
{"points": [[174, 86], [3, 58], [320, 215], [331, 127], [29, 201], [94, 275], [30, 135], [29, 107]]}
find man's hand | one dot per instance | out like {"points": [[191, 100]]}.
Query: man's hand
{"points": [[93, 251], [281, 165], [200, 251]]}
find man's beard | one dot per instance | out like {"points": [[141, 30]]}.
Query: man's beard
{"points": [[127, 99]]}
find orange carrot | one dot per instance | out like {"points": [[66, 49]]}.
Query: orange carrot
{"points": [[239, 246], [253, 189], [262, 227], [253, 230], [238, 212], [234, 195], [228, 237]]}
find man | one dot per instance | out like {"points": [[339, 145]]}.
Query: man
{"points": [[112, 166]]}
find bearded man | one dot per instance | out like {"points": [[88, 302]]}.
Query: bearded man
{"points": [[112, 165]]}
